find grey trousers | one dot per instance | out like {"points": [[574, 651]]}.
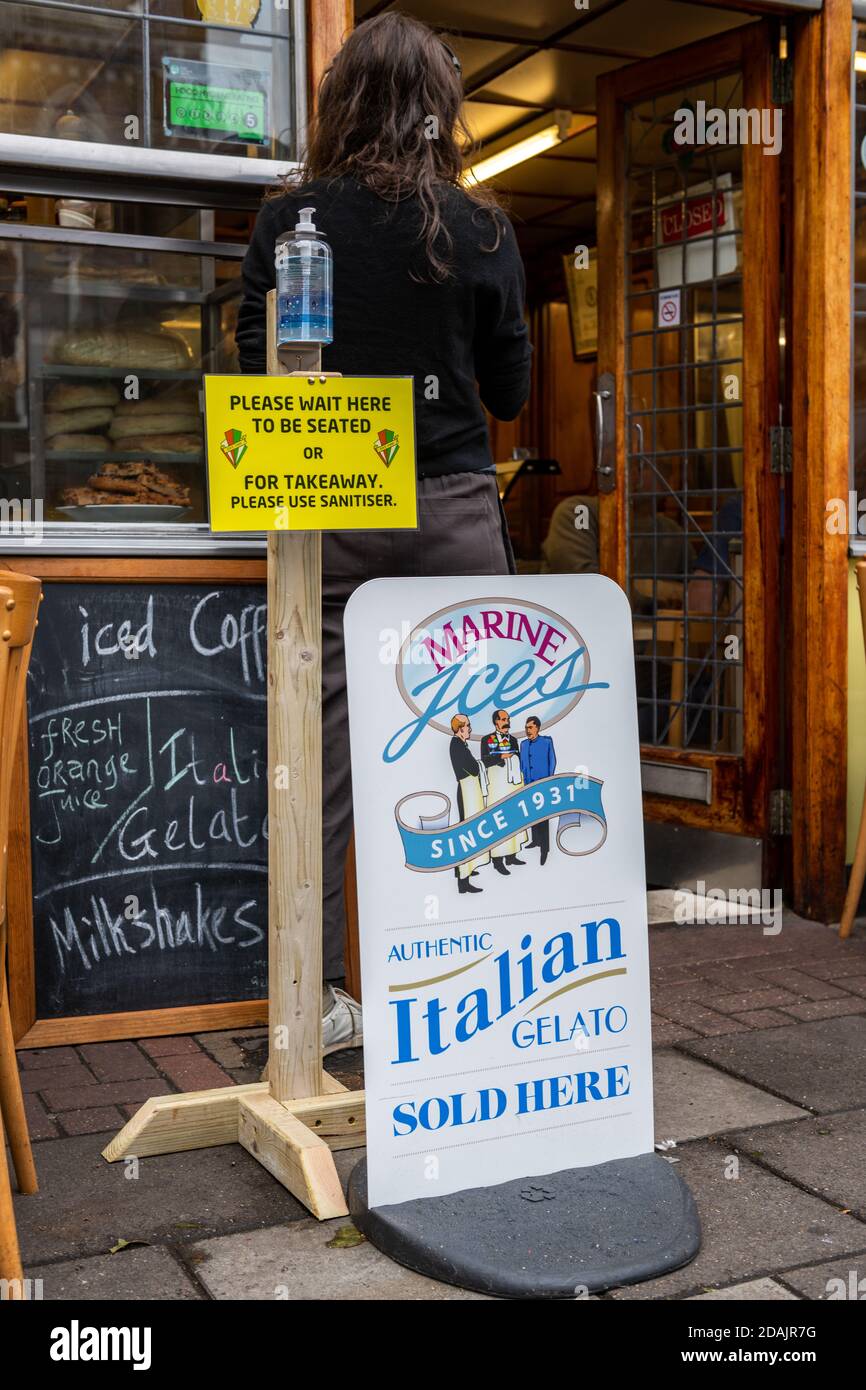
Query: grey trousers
{"points": [[462, 531]]}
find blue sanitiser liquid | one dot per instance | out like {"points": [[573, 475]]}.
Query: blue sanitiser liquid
{"points": [[304, 285]]}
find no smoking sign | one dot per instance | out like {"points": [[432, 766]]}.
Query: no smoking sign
{"points": [[669, 308]]}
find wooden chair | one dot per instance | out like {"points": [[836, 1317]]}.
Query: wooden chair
{"points": [[701, 637], [858, 868], [20, 596]]}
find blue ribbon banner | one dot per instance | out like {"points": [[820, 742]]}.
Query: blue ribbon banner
{"points": [[430, 848]]}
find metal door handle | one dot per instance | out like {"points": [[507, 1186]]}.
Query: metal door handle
{"points": [[638, 428], [604, 432], [600, 398]]}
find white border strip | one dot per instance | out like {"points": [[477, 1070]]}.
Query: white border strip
{"points": [[129, 161]]}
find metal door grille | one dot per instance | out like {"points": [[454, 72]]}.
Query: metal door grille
{"points": [[684, 420]]}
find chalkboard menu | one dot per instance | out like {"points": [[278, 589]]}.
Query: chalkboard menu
{"points": [[147, 713]]}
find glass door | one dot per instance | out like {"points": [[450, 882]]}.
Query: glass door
{"points": [[687, 398]]}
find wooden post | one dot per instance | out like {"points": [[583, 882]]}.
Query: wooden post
{"points": [[328, 23], [820, 359], [295, 813], [294, 798], [291, 1122]]}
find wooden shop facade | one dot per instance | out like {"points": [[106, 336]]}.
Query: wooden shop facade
{"points": [[698, 310]]}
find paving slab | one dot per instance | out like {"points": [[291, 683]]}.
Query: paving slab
{"points": [[44, 1078], [755, 1290], [836, 1281], [763, 1018], [98, 1120], [733, 941], [820, 1065], [824, 1154], [753, 1226], [348, 1067], [141, 1272], [47, 1057], [116, 1061], [800, 983], [811, 1009], [300, 1263], [665, 1033], [693, 1100], [85, 1204], [227, 1048], [40, 1124], [172, 1046], [699, 1019]]}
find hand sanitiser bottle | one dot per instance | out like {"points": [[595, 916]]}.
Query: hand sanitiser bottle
{"points": [[304, 284]]}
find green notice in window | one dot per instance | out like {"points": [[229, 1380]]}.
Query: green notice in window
{"points": [[206, 102]]}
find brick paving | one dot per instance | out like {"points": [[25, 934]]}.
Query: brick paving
{"points": [[98, 1086], [743, 974], [732, 978], [711, 984]]}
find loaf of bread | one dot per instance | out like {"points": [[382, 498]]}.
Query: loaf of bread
{"points": [[70, 396], [134, 483], [77, 421], [153, 423], [124, 348], [170, 444], [83, 497], [79, 443], [181, 400]]}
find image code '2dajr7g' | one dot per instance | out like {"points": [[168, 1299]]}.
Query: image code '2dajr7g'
{"points": [[297, 454]]}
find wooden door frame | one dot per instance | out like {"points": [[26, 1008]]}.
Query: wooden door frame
{"points": [[740, 805], [329, 22], [821, 367]]}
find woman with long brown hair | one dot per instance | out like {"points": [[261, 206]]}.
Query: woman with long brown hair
{"points": [[428, 282]]}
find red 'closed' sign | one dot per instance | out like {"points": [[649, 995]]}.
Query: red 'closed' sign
{"points": [[702, 215]]}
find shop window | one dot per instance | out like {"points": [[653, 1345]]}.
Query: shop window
{"points": [[66, 74], [264, 16], [213, 76], [200, 76], [109, 315]]}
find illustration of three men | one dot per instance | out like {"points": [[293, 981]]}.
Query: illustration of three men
{"points": [[504, 766]]}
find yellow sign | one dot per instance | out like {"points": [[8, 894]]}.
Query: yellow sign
{"points": [[241, 12], [287, 453]]}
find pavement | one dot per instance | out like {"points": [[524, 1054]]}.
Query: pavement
{"points": [[760, 1066]]}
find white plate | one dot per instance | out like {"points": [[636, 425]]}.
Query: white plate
{"points": [[114, 512]]}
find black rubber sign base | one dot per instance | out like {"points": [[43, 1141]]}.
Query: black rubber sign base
{"points": [[559, 1236]]}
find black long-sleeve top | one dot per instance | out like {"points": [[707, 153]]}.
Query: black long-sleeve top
{"points": [[463, 340], [465, 764], [463, 761]]}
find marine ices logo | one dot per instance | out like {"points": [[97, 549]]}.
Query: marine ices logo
{"points": [[483, 672], [487, 654]]}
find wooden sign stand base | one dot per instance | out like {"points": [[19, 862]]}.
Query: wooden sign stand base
{"points": [[293, 1139], [292, 1121]]}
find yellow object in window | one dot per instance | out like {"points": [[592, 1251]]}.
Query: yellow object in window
{"points": [[229, 11]]}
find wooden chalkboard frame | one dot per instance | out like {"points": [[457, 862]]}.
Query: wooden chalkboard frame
{"points": [[30, 1030]]}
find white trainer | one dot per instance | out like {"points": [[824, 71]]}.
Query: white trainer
{"points": [[342, 1025]]}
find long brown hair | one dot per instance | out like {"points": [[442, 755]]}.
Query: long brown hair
{"points": [[389, 114]]}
